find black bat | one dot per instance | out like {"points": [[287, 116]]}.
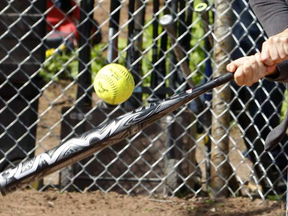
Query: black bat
{"points": [[97, 139], [154, 75], [174, 78], [129, 58], [139, 20], [182, 23], [112, 51], [189, 20], [167, 22], [133, 61], [158, 58], [161, 66], [84, 80]]}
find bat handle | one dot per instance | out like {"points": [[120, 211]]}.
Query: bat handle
{"points": [[223, 79]]}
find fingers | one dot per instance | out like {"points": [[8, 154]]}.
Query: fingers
{"points": [[232, 67], [242, 68], [250, 71], [239, 76], [275, 49], [268, 53]]}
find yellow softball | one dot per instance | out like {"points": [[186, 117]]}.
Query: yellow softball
{"points": [[114, 84]]}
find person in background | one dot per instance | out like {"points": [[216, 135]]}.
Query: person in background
{"points": [[263, 100]]}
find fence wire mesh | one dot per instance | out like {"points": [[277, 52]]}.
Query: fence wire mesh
{"points": [[51, 51]]}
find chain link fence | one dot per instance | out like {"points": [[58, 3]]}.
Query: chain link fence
{"points": [[50, 52]]}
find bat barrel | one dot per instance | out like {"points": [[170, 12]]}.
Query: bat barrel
{"points": [[99, 138]]}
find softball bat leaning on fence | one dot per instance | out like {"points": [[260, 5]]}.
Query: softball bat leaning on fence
{"points": [[99, 138]]}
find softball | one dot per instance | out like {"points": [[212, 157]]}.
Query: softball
{"points": [[114, 84]]}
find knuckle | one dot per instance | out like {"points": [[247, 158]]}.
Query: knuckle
{"points": [[282, 56], [253, 63], [270, 40], [255, 79], [274, 57], [275, 39], [248, 66]]}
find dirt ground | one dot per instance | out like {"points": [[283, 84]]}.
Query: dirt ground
{"points": [[53, 203]]}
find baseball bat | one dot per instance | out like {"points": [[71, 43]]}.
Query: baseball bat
{"points": [[112, 51], [158, 59], [84, 79], [129, 58], [161, 67], [182, 22], [154, 75], [133, 60], [139, 20], [174, 78], [167, 22], [189, 20], [97, 139]]}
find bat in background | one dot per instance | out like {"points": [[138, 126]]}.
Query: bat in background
{"points": [[129, 58], [99, 138], [135, 40], [84, 80], [154, 75], [112, 52], [158, 57], [174, 78], [139, 20], [167, 22]]}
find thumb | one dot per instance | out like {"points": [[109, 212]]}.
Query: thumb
{"points": [[232, 67]]}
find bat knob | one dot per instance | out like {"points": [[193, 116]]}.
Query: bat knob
{"points": [[166, 20], [201, 7]]}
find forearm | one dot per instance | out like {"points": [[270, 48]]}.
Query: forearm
{"points": [[273, 16], [281, 73]]}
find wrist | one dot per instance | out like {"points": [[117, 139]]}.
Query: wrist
{"points": [[273, 74]]}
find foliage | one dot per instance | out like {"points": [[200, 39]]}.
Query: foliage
{"points": [[284, 107], [61, 64]]}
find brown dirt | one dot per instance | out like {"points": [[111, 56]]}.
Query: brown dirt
{"points": [[52, 203]]}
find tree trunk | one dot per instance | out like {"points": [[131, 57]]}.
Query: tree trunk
{"points": [[221, 171]]}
